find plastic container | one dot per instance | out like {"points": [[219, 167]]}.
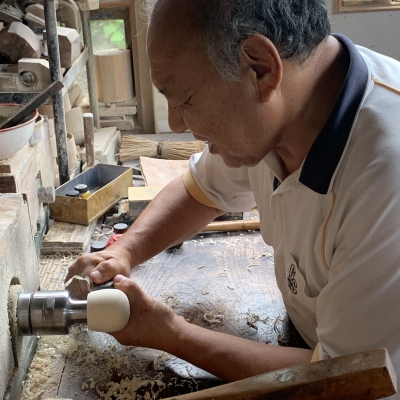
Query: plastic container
{"points": [[72, 193], [83, 191], [97, 246], [120, 228]]}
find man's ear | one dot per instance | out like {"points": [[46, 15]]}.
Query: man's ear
{"points": [[261, 56]]}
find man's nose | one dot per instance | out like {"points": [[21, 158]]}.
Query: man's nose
{"points": [[175, 120]]}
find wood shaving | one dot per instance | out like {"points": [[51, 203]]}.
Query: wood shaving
{"points": [[170, 299], [214, 317], [201, 266], [204, 292], [41, 376], [223, 274], [158, 363], [231, 288]]}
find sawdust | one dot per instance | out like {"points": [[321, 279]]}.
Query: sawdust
{"points": [[41, 376], [127, 388], [16, 340]]}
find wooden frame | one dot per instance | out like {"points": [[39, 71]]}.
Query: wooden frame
{"points": [[366, 5], [141, 68]]}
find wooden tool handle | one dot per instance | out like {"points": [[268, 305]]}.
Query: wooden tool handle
{"points": [[368, 375], [240, 225]]}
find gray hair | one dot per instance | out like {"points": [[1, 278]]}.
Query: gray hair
{"points": [[296, 27]]}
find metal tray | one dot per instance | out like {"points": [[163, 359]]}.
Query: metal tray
{"points": [[107, 184]]}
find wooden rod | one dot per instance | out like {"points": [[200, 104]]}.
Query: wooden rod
{"points": [[88, 125], [240, 225]]}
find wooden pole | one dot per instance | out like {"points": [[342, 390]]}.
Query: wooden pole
{"points": [[88, 125], [239, 225], [369, 375]]}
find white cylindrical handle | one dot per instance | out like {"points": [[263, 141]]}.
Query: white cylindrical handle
{"points": [[108, 310]]}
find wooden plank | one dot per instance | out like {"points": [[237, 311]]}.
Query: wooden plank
{"points": [[347, 3], [65, 237], [365, 8], [369, 375], [122, 125]]}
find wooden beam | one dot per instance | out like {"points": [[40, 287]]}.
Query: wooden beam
{"points": [[369, 375]]}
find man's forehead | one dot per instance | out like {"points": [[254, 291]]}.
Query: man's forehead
{"points": [[172, 30]]}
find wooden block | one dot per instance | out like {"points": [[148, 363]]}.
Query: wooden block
{"points": [[74, 123], [64, 237], [18, 41], [121, 124], [102, 139], [115, 110], [36, 9], [70, 45], [75, 95], [140, 197], [34, 21], [39, 69], [369, 375], [11, 165], [18, 265], [114, 75], [108, 156], [68, 14]]}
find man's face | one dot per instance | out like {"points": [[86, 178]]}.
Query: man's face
{"points": [[229, 115]]}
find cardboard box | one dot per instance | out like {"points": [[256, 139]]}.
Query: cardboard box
{"points": [[107, 184]]}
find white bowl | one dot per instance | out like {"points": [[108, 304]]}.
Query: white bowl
{"points": [[14, 138]]}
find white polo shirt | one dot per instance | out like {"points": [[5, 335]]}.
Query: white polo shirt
{"points": [[334, 223]]}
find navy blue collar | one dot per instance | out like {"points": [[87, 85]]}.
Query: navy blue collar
{"points": [[325, 153]]}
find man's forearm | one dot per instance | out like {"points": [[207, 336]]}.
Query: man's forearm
{"points": [[229, 357], [171, 218]]}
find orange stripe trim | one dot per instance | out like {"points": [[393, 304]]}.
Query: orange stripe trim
{"points": [[386, 86], [194, 190]]}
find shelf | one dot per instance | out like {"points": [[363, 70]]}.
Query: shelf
{"points": [[68, 79]]}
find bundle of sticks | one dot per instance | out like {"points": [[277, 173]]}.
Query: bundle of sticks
{"points": [[134, 147]]}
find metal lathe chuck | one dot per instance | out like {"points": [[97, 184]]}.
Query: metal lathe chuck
{"points": [[49, 313]]}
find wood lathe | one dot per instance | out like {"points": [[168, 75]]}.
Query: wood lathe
{"points": [[54, 312]]}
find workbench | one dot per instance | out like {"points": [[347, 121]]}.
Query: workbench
{"points": [[221, 281]]}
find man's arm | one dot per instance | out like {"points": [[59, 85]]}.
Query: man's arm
{"points": [[171, 218], [152, 324]]}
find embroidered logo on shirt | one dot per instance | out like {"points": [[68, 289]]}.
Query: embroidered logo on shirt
{"points": [[291, 280]]}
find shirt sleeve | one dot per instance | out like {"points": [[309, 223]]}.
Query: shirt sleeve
{"points": [[212, 183]]}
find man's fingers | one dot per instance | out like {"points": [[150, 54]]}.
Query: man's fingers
{"points": [[106, 270]]}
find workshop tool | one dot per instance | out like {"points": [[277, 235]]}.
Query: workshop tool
{"points": [[134, 147], [369, 375], [32, 105], [52, 312]]}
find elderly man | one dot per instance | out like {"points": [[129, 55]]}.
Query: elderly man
{"points": [[303, 124]]}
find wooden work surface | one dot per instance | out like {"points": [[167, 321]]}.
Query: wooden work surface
{"points": [[223, 282]]}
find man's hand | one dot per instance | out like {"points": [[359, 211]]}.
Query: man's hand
{"points": [[101, 266], [152, 324]]}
